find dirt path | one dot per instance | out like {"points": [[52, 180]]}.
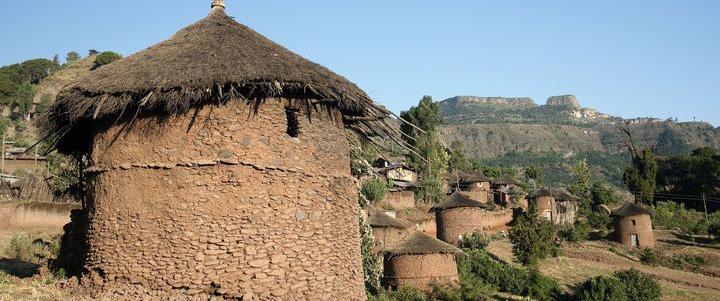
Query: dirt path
{"points": [[590, 259]]}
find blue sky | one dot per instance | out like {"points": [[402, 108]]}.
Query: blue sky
{"points": [[628, 58]]}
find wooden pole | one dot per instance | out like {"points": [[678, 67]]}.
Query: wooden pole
{"points": [[2, 161]]}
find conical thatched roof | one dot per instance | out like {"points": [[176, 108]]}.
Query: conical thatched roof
{"points": [[475, 177], [458, 200], [563, 195], [631, 209], [382, 220], [210, 62], [418, 243], [508, 180]]}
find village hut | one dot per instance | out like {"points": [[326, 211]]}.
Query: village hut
{"points": [[633, 226], [544, 201], [419, 261], [476, 186], [567, 206], [401, 195], [387, 229], [460, 215], [218, 165], [502, 187]]}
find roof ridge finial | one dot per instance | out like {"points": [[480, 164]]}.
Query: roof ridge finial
{"points": [[218, 5]]}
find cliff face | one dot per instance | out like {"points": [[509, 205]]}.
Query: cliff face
{"points": [[508, 101], [564, 100]]}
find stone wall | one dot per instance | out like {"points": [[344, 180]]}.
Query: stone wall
{"points": [[399, 200], [641, 225], [478, 191], [566, 212], [451, 223], [418, 271], [224, 202], [545, 205]]}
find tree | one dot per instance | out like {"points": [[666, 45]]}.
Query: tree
{"points": [[458, 160], [425, 116], [640, 176], [533, 238], [72, 56], [431, 171], [582, 183], [638, 286], [105, 58], [601, 288], [92, 52], [695, 174], [374, 190]]}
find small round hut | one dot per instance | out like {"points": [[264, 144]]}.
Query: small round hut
{"points": [[502, 187], [476, 186], [544, 200], [419, 261], [217, 165], [459, 215], [387, 229], [633, 226]]}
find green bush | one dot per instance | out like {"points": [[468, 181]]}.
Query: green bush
{"points": [[105, 58], [638, 286], [405, 294], [578, 232], [478, 267], [475, 241], [649, 257], [598, 220], [533, 239], [374, 189], [601, 288], [32, 248]]}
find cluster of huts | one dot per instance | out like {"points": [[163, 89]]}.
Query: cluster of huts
{"points": [[414, 256], [219, 167]]}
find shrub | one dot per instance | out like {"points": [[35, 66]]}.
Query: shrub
{"points": [[533, 239], [638, 286], [598, 220], [542, 288], [475, 241], [374, 189], [105, 58], [31, 248], [714, 230], [578, 232], [601, 288], [648, 256]]}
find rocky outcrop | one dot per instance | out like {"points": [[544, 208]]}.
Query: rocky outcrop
{"points": [[511, 101], [564, 100]]}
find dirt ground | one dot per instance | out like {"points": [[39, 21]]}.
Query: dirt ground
{"points": [[593, 258]]}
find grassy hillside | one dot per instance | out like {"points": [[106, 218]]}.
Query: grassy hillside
{"points": [[554, 137]]}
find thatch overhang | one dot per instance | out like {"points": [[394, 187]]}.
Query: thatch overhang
{"points": [[458, 200], [508, 180], [562, 195], [418, 243], [631, 209], [211, 62], [382, 220]]}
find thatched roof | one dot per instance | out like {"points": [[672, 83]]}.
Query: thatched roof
{"points": [[631, 209], [382, 220], [475, 177], [508, 180], [458, 200], [563, 195], [211, 62], [419, 243]]}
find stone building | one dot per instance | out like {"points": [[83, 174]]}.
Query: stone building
{"points": [[475, 186], [633, 227], [218, 166], [419, 261], [544, 200], [387, 229], [567, 207], [401, 195], [459, 215], [502, 189]]}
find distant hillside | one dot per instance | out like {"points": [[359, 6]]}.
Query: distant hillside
{"points": [[518, 132]]}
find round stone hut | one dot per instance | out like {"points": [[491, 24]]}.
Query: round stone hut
{"points": [[459, 215], [387, 229], [633, 227], [217, 165], [419, 261], [476, 186], [567, 206], [544, 200]]}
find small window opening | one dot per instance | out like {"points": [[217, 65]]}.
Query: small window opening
{"points": [[293, 123], [633, 221]]}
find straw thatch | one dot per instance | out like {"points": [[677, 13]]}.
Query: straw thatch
{"points": [[210, 62], [563, 195], [458, 200], [631, 209], [508, 180], [419, 243], [382, 220], [475, 177]]}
